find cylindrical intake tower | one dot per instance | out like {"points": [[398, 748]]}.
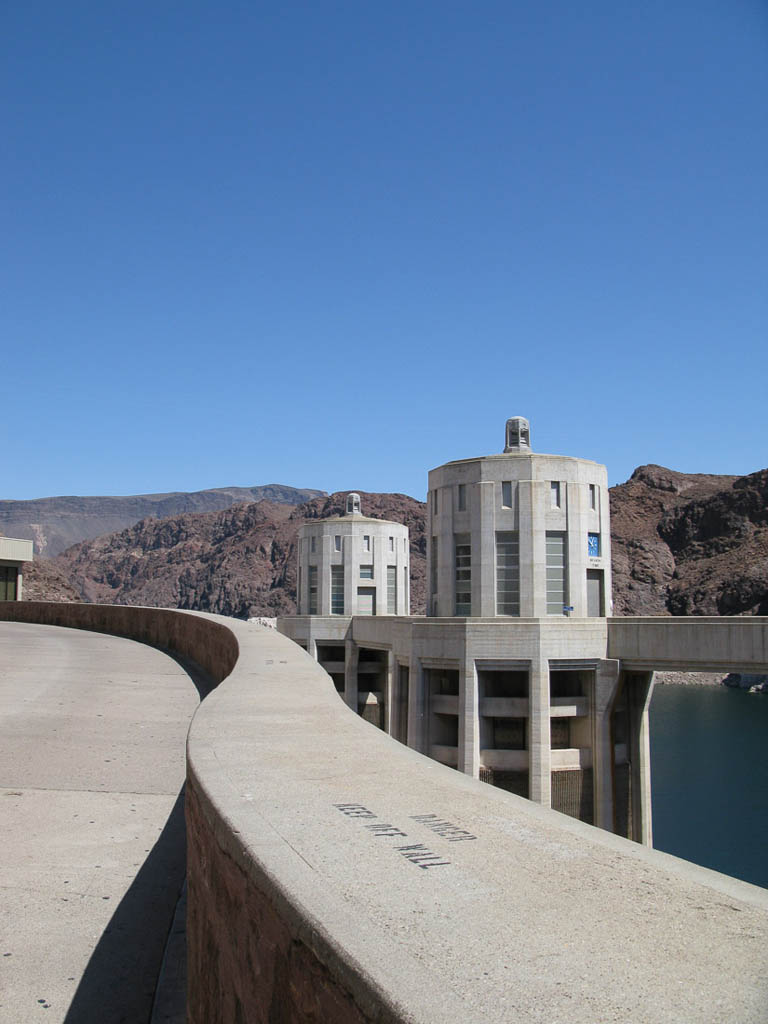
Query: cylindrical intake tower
{"points": [[519, 534]]}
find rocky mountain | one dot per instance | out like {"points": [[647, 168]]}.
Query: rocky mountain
{"points": [[54, 524], [682, 544], [240, 561], [690, 544]]}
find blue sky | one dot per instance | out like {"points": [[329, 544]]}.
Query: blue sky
{"points": [[335, 244]]}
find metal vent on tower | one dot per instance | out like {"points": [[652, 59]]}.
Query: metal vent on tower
{"points": [[518, 435], [353, 504]]}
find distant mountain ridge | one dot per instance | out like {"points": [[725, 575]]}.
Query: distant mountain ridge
{"points": [[57, 523]]}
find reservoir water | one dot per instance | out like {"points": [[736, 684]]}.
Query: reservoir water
{"points": [[709, 777]]}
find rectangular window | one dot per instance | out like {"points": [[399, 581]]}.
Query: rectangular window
{"points": [[313, 590], [509, 733], [434, 502], [337, 590], [507, 574], [298, 592], [391, 590], [593, 545], [463, 574], [560, 733], [506, 494], [406, 601], [9, 579], [337, 543], [557, 590], [592, 496], [462, 498], [391, 543], [366, 600], [366, 542], [366, 572], [312, 545], [433, 568], [554, 494]]}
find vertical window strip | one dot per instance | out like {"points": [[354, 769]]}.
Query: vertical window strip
{"points": [[391, 590], [313, 590], [337, 590], [463, 573], [507, 573], [557, 588]]}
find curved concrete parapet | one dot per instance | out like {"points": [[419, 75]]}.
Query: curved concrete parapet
{"points": [[335, 875], [207, 642]]}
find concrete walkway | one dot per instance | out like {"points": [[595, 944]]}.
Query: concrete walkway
{"points": [[92, 734]]}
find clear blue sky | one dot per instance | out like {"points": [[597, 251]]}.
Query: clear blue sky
{"points": [[335, 244]]}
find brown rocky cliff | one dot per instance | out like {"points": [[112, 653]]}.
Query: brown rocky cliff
{"points": [[690, 544]]}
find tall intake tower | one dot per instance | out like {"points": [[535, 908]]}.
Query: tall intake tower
{"points": [[519, 534]]}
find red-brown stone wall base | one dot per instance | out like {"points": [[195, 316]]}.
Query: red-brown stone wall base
{"points": [[245, 964]]}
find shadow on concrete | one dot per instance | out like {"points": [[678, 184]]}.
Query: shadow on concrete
{"points": [[118, 984], [204, 682]]}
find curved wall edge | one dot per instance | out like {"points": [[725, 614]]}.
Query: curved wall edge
{"points": [[335, 875]]}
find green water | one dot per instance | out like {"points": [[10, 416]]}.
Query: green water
{"points": [[709, 778]]}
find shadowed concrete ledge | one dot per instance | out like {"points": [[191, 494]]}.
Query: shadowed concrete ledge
{"points": [[335, 875]]}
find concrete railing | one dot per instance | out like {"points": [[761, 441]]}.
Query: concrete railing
{"points": [[335, 875]]}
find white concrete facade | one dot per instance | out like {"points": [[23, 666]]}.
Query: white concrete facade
{"points": [[496, 523], [14, 552], [353, 565], [508, 678]]}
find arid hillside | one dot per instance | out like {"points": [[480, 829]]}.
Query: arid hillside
{"points": [[689, 544], [55, 524]]}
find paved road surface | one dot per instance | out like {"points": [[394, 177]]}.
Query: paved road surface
{"points": [[92, 734]]}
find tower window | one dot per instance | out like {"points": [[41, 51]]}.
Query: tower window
{"points": [[462, 498], [592, 496], [557, 583], [554, 494], [337, 590], [507, 574], [313, 590], [337, 543], [506, 494], [463, 574], [366, 572], [391, 590], [312, 545], [366, 542]]}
